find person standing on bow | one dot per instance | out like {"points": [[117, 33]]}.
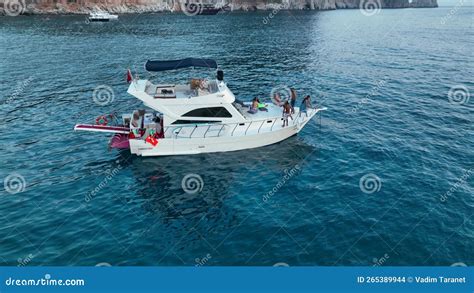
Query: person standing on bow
{"points": [[286, 113], [293, 100], [305, 105]]}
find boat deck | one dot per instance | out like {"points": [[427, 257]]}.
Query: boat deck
{"points": [[181, 91], [272, 111], [266, 123]]}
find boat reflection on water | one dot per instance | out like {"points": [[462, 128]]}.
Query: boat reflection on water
{"points": [[202, 194]]}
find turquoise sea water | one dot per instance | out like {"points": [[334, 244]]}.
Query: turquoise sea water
{"points": [[386, 177]]}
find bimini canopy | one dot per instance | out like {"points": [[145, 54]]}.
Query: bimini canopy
{"points": [[177, 64]]}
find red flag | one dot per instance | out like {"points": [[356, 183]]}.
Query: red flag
{"points": [[129, 76]]}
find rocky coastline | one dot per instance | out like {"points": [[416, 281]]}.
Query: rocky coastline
{"points": [[29, 7]]}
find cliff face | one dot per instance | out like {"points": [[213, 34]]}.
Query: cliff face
{"points": [[137, 6], [424, 3]]}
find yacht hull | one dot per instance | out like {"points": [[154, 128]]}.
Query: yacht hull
{"points": [[225, 143], [172, 147]]}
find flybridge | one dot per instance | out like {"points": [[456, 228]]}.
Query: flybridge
{"points": [[178, 64]]}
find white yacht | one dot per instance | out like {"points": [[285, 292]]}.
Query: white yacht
{"points": [[202, 116], [101, 16]]}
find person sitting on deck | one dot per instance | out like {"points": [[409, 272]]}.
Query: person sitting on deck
{"points": [[286, 113], [261, 106], [135, 124], [254, 107], [135, 120]]}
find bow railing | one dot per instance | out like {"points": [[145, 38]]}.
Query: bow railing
{"points": [[206, 130]]}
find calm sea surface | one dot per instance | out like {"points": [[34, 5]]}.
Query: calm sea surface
{"points": [[386, 178]]}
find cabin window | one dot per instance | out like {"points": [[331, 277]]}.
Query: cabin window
{"points": [[194, 122], [209, 112]]}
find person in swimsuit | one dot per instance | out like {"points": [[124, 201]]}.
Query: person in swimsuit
{"points": [[261, 106], [286, 113], [277, 99], [254, 107], [305, 105], [135, 124], [293, 100]]}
